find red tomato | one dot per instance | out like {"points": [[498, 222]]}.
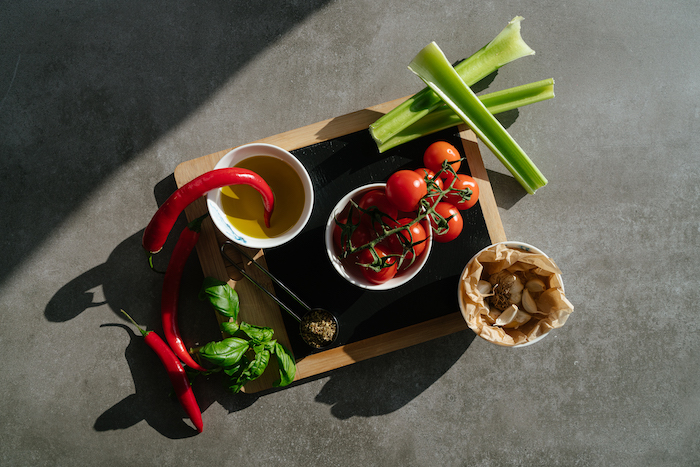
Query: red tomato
{"points": [[455, 223], [384, 274], [462, 182], [376, 199], [405, 189], [440, 151], [360, 235], [417, 234]]}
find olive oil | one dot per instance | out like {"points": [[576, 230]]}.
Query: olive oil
{"points": [[243, 206]]}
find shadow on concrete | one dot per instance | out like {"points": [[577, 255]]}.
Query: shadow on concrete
{"points": [[124, 281], [85, 89], [153, 400], [392, 380], [506, 189]]}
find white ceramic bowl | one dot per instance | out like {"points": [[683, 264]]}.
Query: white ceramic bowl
{"points": [[513, 244], [214, 196], [353, 274]]}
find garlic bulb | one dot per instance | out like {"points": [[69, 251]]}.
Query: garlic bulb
{"points": [[507, 289]]}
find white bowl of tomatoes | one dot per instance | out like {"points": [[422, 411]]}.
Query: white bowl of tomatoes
{"points": [[398, 270], [379, 236]]}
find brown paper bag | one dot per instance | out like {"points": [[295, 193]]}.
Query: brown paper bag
{"points": [[482, 317]]}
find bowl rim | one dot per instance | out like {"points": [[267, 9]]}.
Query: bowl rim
{"points": [[359, 280], [214, 196], [509, 243]]}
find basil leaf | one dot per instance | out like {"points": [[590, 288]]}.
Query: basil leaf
{"points": [[236, 385], [236, 370], [221, 296], [286, 364], [226, 352], [244, 373], [257, 367], [229, 327], [234, 373], [258, 334], [270, 345]]}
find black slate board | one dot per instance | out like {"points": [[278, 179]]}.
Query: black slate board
{"points": [[336, 167]]}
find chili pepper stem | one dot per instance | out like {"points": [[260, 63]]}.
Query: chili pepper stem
{"points": [[196, 224], [143, 332], [151, 265]]}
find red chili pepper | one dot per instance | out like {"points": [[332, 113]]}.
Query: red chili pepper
{"points": [[171, 291], [177, 374], [162, 222]]}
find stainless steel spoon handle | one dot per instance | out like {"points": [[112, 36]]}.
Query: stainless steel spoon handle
{"points": [[268, 274]]}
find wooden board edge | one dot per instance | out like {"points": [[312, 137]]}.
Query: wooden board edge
{"points": [[348, 354], [489, 208]]}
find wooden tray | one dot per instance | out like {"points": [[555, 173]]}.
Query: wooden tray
{"points": [[340, 155]]}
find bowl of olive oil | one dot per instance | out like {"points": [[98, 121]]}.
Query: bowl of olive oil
{"points": [[237, 210]]}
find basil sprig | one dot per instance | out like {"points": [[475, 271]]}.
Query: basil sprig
{"points": [[245, 355]]}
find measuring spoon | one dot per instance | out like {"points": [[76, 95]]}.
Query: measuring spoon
{"points": [[306, 322]]}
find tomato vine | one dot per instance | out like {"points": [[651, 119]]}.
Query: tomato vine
{"points": [[442, 185]]}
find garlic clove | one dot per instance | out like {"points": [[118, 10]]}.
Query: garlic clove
{"points": [[535, 285], [528, 302], [519, 319], [507, 316], [512, 317], [516, 290], [483, 287]]}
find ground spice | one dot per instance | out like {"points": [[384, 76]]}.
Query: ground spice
{"points": [[318, 328]]}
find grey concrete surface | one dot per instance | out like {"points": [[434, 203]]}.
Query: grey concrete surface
{"points": [[100, 101]]}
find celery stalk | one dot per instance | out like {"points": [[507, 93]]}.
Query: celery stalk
{"points": [[518, 96], [507, 46], [496, 102], [432, 67]]}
